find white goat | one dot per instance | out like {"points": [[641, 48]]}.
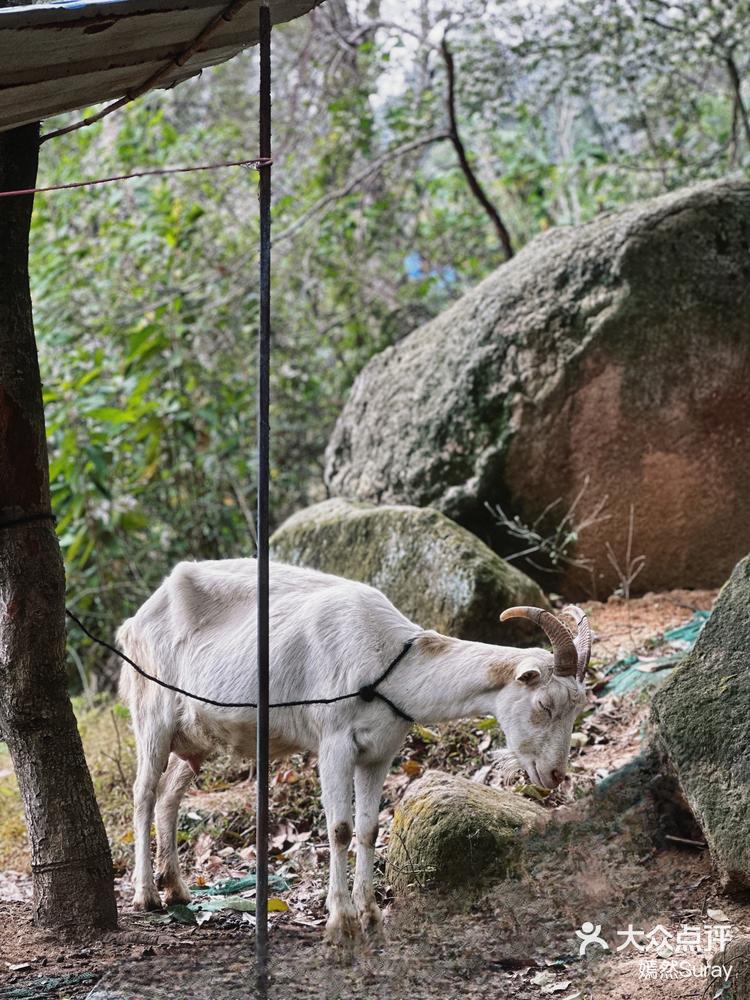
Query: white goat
{"points": [[329, 636]]}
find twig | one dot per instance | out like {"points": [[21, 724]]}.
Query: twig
{"points": [[342, 192], [117, 759], [412, 869], [632, 567], [82, 674], [557, 544], [686, 840], [245, 509], [739, 104]]}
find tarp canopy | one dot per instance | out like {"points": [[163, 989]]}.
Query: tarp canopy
{"points": [[61, 57]]}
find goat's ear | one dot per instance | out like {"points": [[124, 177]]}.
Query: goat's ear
{"points": [[527, 673]]}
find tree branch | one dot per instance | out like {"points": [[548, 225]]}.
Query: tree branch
{"points": [[354, 182], [471, 178], [734, 78]]}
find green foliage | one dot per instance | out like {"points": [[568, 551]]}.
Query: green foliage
{"points": [[145, 293]]}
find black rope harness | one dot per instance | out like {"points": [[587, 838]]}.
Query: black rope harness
{"points": [[368, 692]]}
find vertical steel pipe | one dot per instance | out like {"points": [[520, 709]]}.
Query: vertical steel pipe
{"points": [[264, 358]]}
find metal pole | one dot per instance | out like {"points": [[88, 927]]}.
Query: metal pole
{"points": [[264, 353]]}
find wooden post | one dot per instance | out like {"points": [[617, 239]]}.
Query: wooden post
{"points": [[70, 856]]}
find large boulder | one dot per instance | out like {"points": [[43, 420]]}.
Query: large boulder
{"points": [[702, 724], [611, 358], [449, 832], [735, 956], [434, 571]]}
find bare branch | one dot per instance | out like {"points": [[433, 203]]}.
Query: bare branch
{"points": [[739, 104], [471, 178], [557, 544], [354, 182], [632, 566], [245, 510]]}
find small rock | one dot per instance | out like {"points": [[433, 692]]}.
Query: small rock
{"points": [[736, 956], [449, 832]]}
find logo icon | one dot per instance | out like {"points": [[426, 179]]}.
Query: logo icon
{"points": [[590, 935]]}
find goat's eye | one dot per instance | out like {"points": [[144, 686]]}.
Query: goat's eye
{"points": [[547, 709]]}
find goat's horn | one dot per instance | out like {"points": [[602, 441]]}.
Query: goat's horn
{"points": [[566, 654], [582, 638]]}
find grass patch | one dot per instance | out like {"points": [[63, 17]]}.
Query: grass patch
{"points": [[110, 753], [14, 851]]}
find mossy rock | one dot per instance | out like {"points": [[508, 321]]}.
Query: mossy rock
{"points": [[701, 718], [449, 832], [736, 956], [606, 362], [435, 572]]}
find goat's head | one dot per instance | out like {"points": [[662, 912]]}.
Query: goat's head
{"points": [[540, 704]]}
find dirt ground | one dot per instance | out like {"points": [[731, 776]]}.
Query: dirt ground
{"points": [[603, 859]]}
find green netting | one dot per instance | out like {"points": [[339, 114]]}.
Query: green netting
{"points": [[70, 987], [633, 672], [232, 886]]}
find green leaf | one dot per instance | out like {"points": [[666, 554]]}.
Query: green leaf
{"points": [[109, 415], [533, 791]]}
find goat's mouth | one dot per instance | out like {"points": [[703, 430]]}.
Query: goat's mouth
{"points": [[533, 773], [509, 767]]}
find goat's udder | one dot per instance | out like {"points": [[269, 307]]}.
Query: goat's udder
{"points": [[193, 760]]}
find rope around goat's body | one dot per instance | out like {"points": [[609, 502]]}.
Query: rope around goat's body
{"points": [[368, 692]]}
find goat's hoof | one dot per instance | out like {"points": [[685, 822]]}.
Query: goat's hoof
{"points": [[176, 892], [343, 930], [147, 899], [371, 922]]}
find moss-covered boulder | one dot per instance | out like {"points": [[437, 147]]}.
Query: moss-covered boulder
{"points": [[610, 358], [450, 832], [434, 571], [736, 956], [701, 718]]}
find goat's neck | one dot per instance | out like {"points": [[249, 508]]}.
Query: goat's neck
{"points": [[452, 679]]}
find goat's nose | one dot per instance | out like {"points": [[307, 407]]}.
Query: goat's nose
{"points": [[557, 776]]}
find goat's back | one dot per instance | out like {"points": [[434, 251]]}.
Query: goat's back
{"points": [[198, 631]]}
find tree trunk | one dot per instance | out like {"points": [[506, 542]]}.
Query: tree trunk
{"points": [[71, 861]]}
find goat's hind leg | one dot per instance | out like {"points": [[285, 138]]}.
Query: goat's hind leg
{"points": [[153, 753], [172, 786]]}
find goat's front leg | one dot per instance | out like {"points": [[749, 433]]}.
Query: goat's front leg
{"points": [[368, 786], [336, 766]]}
